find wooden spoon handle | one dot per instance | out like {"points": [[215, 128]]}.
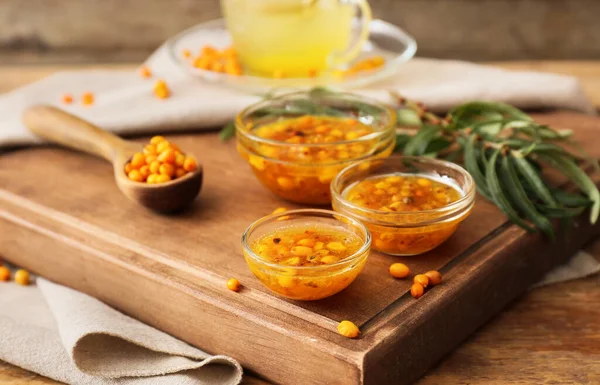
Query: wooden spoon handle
{"points": [[60, 127]]}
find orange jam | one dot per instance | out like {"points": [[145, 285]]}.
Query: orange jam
{"points": [[415, 198], [307, 260], [307, 152], [314, 130]]}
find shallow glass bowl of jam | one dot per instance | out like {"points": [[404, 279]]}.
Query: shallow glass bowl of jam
{"points": [[410, 204], [306, 254]]}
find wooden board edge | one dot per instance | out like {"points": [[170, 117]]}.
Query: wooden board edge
{"points": [[513, 266]]}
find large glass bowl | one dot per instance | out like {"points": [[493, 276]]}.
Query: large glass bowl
{"points": [[307, 179]]}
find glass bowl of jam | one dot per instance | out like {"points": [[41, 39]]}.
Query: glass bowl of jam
{"points": [[306, 254], [410, 204], [297, 143]]}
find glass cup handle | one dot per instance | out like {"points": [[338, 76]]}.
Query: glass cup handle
{"points": [[338, 59]]}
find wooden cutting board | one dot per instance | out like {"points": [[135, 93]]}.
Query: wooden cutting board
{"points": [[61, 216]]}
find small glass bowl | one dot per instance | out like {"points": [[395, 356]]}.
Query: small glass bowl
{"points": [[407, 232], [307, 179], [306, 283]]}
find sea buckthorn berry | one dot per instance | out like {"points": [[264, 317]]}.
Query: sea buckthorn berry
{"points": [[435, 278], [202, 62], [162, 93], [167, 156], [167, 169], [278, 74], [136, 176], [151, 178], [180, 172], [145, 72], [313, 73], [67, 99], [422, 279], [348, 329], [157, 139], [150, 149], [162, 146], [233, 284], [138, 160], [186, 53], [217, 67], [336, 246], [417, 290], [22, 277], [87, 99], [189, 164], [162, 178], [4, 273], [179, 159], [145, 171], [155, 167], [301, 250], [128, 168], [399, 270], [150, 159]]}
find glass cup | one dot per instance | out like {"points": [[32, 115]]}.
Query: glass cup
{"points": [[295, 38]]}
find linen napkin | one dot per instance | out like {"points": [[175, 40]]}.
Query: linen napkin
{"points": [[124, 102], [71, 337], [66, 335]]}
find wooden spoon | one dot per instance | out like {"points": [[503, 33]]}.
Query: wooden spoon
{"points": [[60, 127]]}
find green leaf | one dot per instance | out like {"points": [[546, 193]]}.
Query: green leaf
{"points": [[419, 142], [401, 140], [571, 199], [498, 196], [227, 132], [520, 198], [408, 118], [560, 212], [570, 169], [471, 113], [533, 178], [472, 167], [437, 144]]}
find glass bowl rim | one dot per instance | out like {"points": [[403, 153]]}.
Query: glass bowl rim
{"points": [[466, 200], [387, 109], [268, 218]]}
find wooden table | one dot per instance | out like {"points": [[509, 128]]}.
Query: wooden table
{"points": [[551, 335]]}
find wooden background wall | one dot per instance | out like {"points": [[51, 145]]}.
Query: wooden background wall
{"points": [[127, 30]]}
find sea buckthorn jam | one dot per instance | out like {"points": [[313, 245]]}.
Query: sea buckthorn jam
{"points": [[297, 249], [402, 193], [415, 199], [301, 156]]}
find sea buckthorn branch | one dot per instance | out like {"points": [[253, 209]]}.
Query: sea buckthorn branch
{"points": [[505, 151]]}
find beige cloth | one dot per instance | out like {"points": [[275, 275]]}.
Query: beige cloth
{"points": [[125, 103], [71, 337]]}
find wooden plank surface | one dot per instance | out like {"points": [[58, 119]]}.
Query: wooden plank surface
{"points": [[119, 30], [565, 373]]}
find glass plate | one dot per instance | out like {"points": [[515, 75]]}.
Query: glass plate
{"points": [[386, 40]]}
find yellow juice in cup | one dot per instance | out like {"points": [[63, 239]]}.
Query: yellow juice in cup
{"points": [[293, 38]]}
